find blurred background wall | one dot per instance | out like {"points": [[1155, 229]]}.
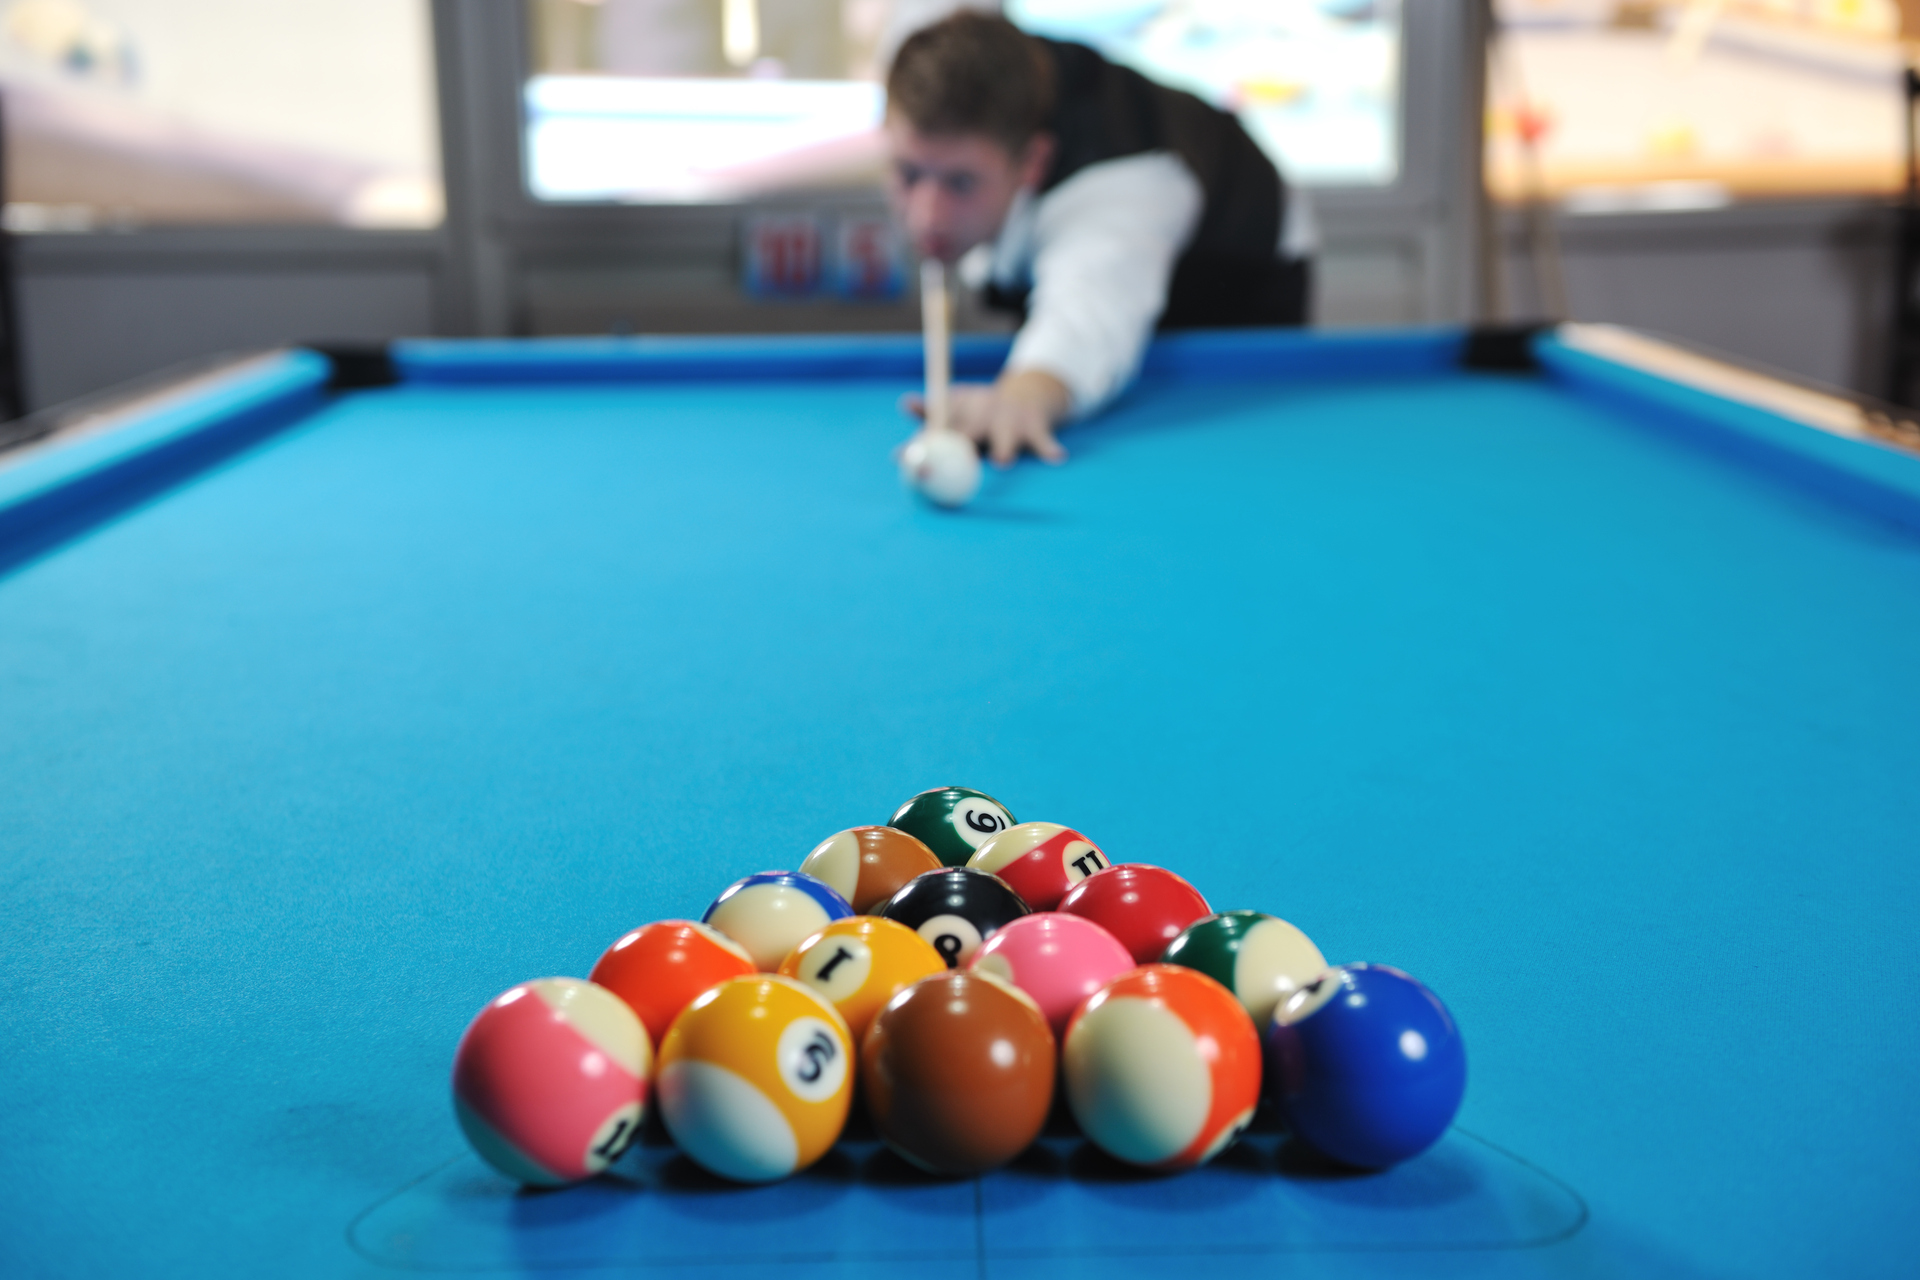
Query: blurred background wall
{"points": [[194, 176]]}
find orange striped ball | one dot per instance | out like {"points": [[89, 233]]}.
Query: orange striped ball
{"points": [[1162, 1067]]}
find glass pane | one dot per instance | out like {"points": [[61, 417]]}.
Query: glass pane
{"points": [[700, 100], [1631, 104], [143, 112], [1316, 82]]}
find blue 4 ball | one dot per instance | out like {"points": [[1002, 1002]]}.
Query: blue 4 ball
{"points": [[1366, 1065]]}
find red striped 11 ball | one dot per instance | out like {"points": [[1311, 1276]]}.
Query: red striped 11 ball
{"points": [[1040, 861]]}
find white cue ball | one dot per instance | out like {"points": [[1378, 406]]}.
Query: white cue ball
{"points": [[943, 465]]}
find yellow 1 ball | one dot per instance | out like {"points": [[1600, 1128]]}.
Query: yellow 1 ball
{"points": [[861, 963]]}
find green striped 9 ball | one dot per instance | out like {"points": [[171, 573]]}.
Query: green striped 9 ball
{"points": [[952, 821], [1260, 958]]}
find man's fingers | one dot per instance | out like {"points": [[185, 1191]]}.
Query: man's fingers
{"points": [[1047, 448], [1002, 429], [1004, 436]]}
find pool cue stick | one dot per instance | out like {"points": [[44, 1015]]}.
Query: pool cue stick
{"points": [[936, 320]]}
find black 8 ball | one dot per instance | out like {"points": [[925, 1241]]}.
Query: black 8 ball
{"points": [[956, 910]]}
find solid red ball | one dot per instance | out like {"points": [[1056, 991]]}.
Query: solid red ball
{"points": [[1144, 907]]}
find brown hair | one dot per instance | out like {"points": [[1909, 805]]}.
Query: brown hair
{"points": [[973, 73]]}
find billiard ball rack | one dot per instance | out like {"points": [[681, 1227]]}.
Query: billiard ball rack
{"points": [[965, 1024]]}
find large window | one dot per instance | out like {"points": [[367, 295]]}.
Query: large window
{"points": [[1640, 104], [1315, 81], [700, 100], [128, 113]]}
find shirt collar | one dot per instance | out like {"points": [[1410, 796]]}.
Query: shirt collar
{"points": [[1011, 259]]}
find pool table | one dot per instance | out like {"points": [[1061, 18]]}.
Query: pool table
{"points": [[1574, 674]]}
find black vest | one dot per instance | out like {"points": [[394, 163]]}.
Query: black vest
{"points": [[1231, 272]]}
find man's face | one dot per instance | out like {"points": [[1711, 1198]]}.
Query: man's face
{"points": [[953, 190]]}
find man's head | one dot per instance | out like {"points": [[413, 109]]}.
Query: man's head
{"points": [[967, 99]]}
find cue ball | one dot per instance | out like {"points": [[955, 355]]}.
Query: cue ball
{"points": [[550, 1080], [860, 963], [958, 1073], [867, 865], [952, 821], [1040, 861], [1057, 959], [1145, 907], [659, 968], [1260, 958], [944, 466], [1162, 1067], [756, 1078], [1366, 1065], [955, 909], [773, 912]]}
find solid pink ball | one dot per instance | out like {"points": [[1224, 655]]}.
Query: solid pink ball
{"points": [[1059, 960]]}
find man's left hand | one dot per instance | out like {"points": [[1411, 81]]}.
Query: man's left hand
{"points": [[1016, 414]]}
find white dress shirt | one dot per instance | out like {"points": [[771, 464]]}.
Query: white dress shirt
{"points": [[1098, 252]]}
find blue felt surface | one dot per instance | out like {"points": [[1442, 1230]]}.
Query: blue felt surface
{"points": [[1059, 1203], [1608, 740]]}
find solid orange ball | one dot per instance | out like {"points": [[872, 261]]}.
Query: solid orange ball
{"points": [[660, 968]]}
